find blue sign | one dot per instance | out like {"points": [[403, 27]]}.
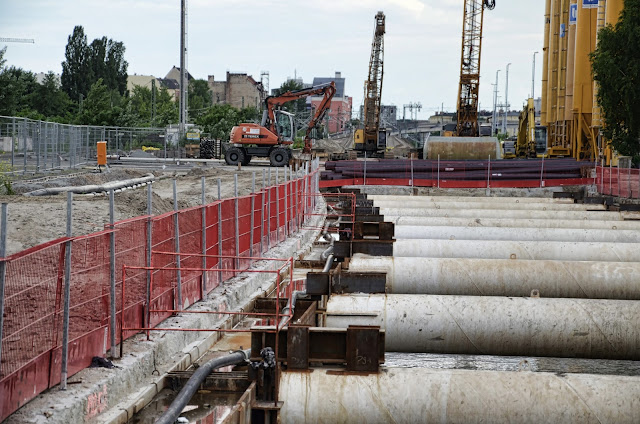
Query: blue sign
{"points": [[573, 14], [562, 30], [589, 4]]}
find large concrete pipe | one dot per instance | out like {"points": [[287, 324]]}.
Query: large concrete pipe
{"points": [[513, 223], [423, 395], [535, 250], [504, 277], [507, 214], [486, 325], [522, 234], [469, 199], [407, 204]]}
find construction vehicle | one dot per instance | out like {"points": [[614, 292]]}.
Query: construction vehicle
{"points": [[532, 138], [273, 137], [467, 109], [371, 140]]}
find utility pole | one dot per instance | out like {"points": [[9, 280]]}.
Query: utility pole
{"points": [[506, 102], [494, 125], [184, 87], [533, 75]]}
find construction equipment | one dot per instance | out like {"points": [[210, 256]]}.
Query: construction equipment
{"points": [[532, 138], [467, 111], [371, 140], [273, 137]]}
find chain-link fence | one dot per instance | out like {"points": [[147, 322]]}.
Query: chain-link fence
{"points": [[31, 146]]}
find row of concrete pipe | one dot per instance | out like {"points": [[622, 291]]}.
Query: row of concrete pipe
{"points": [[499, 276]]}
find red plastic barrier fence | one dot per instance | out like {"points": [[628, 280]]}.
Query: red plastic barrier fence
{"points": [[32, 327]]}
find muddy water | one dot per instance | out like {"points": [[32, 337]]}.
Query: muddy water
{"points": [[512, 363], [204, 404]]}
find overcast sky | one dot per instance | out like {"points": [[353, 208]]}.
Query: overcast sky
{"points": [[303, 37]]}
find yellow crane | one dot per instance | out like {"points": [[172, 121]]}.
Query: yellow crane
{"points": [[467, 108], [371, 139]]}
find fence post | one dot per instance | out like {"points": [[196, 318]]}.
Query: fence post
{"points": [[610, 176], [411, 172], [286, 204], [619, 179], [25, 133], [112, 277], [67, 298], [364, 182], [277, 209], [176, 224], [13, 142], [149, 248], [269, 213], [253, 205], [438, 171], [263, 199], [38, 151], [219, 231], [237, 221], [3, 267], [203, 287], [46, 133], [542, 171]]}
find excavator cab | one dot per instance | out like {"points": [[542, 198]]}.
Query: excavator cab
{"points": [[540, 137], [285, 125]]}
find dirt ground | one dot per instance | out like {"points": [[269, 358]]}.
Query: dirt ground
{"points": [[35, 220]]}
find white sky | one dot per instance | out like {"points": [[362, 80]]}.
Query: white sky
{"points": [[306, 37]]}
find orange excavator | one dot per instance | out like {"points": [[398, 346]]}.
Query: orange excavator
{"points": [[276, 133]]}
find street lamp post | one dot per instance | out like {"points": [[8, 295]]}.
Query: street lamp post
{"points": [[533, 75], [495, 104], [506, 102]]}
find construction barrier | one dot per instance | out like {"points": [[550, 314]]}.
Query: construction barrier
{"points": [[237, 231], [619, 182]]}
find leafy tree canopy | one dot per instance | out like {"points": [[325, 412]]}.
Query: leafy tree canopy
{"points": [[616, 68], [220, 119], [85, 63]]}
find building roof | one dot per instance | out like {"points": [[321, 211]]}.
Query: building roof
{"points": [[169, 83], [339, 84]]}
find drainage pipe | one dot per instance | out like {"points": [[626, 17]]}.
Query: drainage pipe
{"points": [[516, 223], [486, 325], [504, 277], [113, 185], [521, 234], [408, 204], [191, 387], [466, 212], [535, 250], [467, 199], [423, 395]]}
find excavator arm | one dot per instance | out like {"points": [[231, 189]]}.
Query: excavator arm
{"points": [[276, 102]]}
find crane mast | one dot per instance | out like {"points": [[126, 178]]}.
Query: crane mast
{"points": [[373, 92], [467, 109]]}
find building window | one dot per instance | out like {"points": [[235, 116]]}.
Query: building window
{"points": [[242, 102]]}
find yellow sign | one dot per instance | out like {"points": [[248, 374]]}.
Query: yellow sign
{"points": [[193, 136]]}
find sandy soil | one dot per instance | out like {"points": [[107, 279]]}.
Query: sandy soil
{"points": [[35, 220]]}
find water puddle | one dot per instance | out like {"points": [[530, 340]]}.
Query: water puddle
{"points": [[205, 404], [512, 363]]}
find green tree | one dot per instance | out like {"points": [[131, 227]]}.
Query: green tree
{"points": [[141, 104], [616, 68], [76, 75], [17, 91], [104, 107], [166, 109], [51, 101], [199, 98], [84, 64], [219, 120], [249, 114], [295, 105]]}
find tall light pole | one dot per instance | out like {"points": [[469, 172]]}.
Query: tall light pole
{"points": [[495, 104], [533, 75], [506, 102], [184, 84]]}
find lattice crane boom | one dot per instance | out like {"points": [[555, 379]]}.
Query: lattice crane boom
{"points": [[467, 109]]}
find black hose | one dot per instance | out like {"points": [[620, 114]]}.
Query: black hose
{"points": [[191, 387]]}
